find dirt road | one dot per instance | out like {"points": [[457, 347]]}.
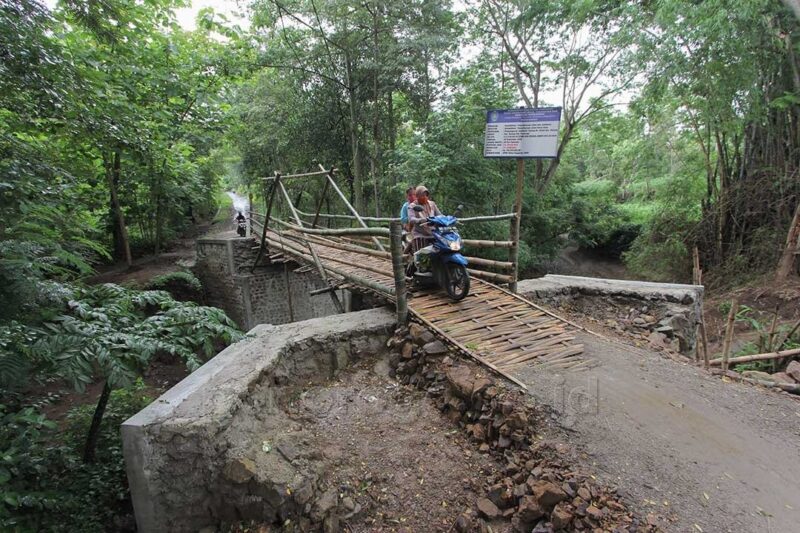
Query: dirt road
{"points": [[714, 456]]}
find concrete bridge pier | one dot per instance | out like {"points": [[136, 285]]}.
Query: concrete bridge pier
{"points": [[271, 294]]}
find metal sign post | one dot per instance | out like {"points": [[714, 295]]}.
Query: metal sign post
{"points": [[521, 133]]}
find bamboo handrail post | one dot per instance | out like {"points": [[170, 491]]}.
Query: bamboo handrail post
{"points": [[396, 247], [334, 297], [269, 203], [329, 176], [319, 204], [729, 326]]}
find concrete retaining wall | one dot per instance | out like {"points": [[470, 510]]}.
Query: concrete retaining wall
{"points": [[223, 266], [199, 455], [664, 309]]}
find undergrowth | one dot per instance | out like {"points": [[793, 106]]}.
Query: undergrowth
{"points": [[44, 484]]}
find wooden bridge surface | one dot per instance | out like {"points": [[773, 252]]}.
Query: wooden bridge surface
{"points": [[500, 329]]}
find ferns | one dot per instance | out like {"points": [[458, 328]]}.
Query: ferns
{"points": [[112, 332]]}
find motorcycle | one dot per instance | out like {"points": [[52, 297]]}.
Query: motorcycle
{"points": [[441, 262], [241, 226]]}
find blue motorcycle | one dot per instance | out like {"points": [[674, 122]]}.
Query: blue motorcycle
{"points": [[441, 262]]}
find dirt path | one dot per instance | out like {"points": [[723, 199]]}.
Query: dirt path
{"points": [[179, 256], [713, 456]]}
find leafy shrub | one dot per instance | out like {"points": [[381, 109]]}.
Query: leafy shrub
{"points": [[173, 279], [183, 286], [44, 485]]}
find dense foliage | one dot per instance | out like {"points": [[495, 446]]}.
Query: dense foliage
{"points": [[45, 485], [675, 115], [119, 128]]}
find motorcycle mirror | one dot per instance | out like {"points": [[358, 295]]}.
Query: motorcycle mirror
{"points": [[418, 208], [459, 210]]}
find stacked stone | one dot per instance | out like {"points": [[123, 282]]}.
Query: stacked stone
{"points": [[537, 489]]}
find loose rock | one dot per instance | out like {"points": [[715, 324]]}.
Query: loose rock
{"points": [[487, 508]]}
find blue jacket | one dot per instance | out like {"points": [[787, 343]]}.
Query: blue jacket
{"points": [[404, 213]]}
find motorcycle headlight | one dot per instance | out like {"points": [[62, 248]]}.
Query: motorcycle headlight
{"points": [[455, 246]]}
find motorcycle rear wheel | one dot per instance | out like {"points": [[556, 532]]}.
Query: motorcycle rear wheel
{"points": [[456, 281]]}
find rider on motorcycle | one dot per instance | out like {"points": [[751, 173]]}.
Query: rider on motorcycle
{"points": [[421, 233]]}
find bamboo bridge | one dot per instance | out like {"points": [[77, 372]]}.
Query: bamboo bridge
{"points": [[492, 325]]}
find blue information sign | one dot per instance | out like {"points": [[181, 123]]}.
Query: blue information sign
{"points": [[524, 132]]}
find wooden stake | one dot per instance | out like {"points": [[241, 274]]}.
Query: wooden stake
{"points": [[401, 301], [726, 347]]}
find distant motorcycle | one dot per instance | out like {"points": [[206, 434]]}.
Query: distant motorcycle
{"points": [[241, 225], [441, 263]]}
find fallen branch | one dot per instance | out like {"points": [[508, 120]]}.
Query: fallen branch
{"points": [[794, 389], [757, 357]]}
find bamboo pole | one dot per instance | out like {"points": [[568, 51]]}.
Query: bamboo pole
{"points": [[703, 336], [488, 244], [348, 247], [490, 276], [319, 204], [302, 175], [353, 278], [297, 245], [317, 292], [480, 261], [334, 297], [726, 347], [269, 203], [401, 301], [756, 357], [487, 218], [329, 176], [482, 218], [349, 217], [337, 232], [788, 335]]}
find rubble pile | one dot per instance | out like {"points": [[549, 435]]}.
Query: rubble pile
{"points": [[538, 489], [660, 326]]}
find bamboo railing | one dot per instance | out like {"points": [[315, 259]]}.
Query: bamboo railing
{"points": [[299, 236]]}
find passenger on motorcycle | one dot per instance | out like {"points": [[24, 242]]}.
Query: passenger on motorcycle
{"points": [[411, 197], [421, 233]]}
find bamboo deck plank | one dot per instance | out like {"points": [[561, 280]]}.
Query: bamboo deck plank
{"points": [[500, 330]]}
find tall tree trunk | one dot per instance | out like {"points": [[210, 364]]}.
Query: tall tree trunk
{"points": [[121, 241], [354, 137], [792, 248], [94, 430], [376, 163], [390, 112]]}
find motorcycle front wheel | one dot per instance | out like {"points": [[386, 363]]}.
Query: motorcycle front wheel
{"points": [[456, 281]]}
